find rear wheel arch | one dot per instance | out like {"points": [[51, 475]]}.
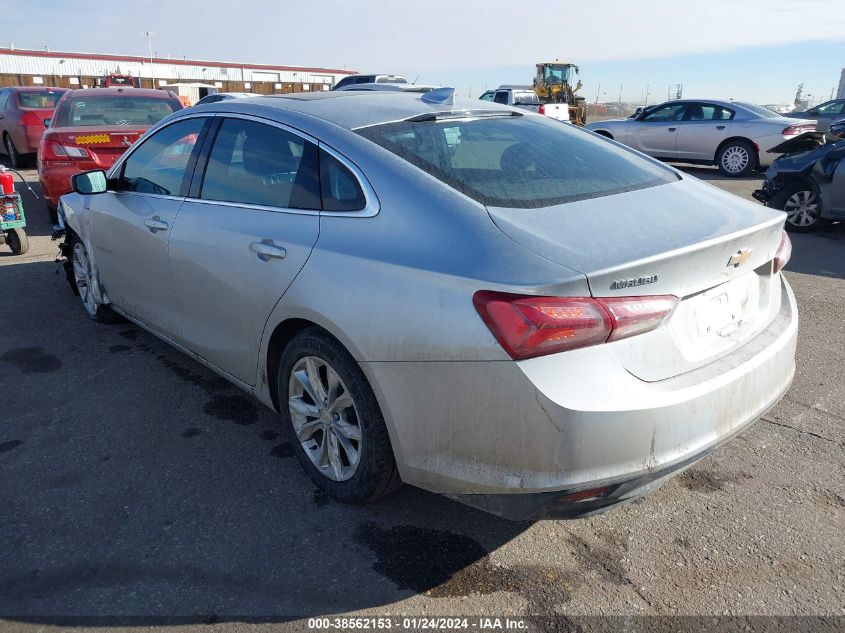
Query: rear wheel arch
{"points": [[604, 133], [282, 334]]}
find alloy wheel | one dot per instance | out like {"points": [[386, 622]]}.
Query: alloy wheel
{"points": [[82, 276], [802, 208], [324, 418], [735, 159]]}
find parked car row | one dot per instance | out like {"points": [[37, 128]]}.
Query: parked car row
{"points": [[455, 294]]}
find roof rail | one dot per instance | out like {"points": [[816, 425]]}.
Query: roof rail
{"points": [[443, 96]]}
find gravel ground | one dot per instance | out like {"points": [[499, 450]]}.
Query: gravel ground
{"points": [[139, 489]]}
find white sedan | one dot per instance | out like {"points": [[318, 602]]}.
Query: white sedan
{"points": [[734, 136]]}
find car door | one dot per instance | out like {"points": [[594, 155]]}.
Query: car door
{"points": [[243, 235], [833, 194], [703, 128], [656, 133], [132, 224]]}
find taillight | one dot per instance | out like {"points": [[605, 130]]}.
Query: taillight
{"points": [[635, 315], [542, 109], [795, 130], [527, 326], [57, 151], [30, 119], [783, 253]]}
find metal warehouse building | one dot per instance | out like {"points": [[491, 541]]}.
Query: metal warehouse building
{"points": [[19, 67]]}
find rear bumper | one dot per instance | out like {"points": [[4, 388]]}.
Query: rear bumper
{"points": [[513, 438]]}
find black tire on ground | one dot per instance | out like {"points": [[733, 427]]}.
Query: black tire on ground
{"points": [[802, 204], [737, 159], [53, 212], [16, 160], [376, 474], [99, 313], [17, 241]]}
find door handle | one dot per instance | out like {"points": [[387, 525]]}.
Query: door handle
{"points": [[266, 250], [720, 127], [672, 129], [156, 224]]}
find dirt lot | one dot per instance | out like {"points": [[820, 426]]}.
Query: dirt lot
{"points": [[138, 485]]}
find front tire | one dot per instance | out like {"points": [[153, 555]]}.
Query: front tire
{"points": [[17, 241], [333, 420], [83, 276], [802, 205], [737, 159]]}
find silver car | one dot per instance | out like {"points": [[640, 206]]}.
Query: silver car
{"points": [[734, 136], [462, 296]]}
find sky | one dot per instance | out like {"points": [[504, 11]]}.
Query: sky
{"points": [[756, 50]]}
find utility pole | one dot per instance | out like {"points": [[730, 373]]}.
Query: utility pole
{"points": [[598, 92], [620, 94], [645, 101], [149, 35]]}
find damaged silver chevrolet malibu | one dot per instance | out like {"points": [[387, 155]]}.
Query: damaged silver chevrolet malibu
{"points": [[461, 296]]}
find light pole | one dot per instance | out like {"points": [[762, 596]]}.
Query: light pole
{"points": [[149, 35]]}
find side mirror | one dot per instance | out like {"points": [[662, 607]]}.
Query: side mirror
{"points": [[47, 122], [89, 182]]}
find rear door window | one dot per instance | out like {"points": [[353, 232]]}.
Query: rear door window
{"points": [[339, 186], [518, 161], [160, 164], [259, 164]]}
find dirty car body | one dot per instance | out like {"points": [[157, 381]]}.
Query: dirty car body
{"points": [[551, 324]]}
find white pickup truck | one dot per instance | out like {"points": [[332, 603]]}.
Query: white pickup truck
{"points": [[525, 97]]}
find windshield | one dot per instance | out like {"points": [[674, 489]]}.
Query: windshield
{"points": [[92, 110], [518, 161], [40, 99], [557, 75], [760, 111]]}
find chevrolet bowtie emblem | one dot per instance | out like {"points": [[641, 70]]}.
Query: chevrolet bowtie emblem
{"points": [[740, 257]]}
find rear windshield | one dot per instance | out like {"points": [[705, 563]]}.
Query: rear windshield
{"points": [[38, 99], [519, 161], [93, 110], [526, 96]]}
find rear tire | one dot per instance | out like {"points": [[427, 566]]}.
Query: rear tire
{"points": [[326, 403], [82, 276], [17, 241], [737, 159], [15, 159], [802, 205]]}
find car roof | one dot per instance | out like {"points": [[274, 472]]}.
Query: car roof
{"points": [[35, 88], [351, 109]]}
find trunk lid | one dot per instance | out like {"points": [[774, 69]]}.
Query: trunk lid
{"points": [[104, 144], [707, 247]]}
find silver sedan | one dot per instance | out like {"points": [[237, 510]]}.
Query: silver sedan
{"points": [[734, 136], [461, 296]]}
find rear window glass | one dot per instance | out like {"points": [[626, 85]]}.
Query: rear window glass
{"points": [[525, 96], [519, 161], [38, 99], [89, 111]]}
